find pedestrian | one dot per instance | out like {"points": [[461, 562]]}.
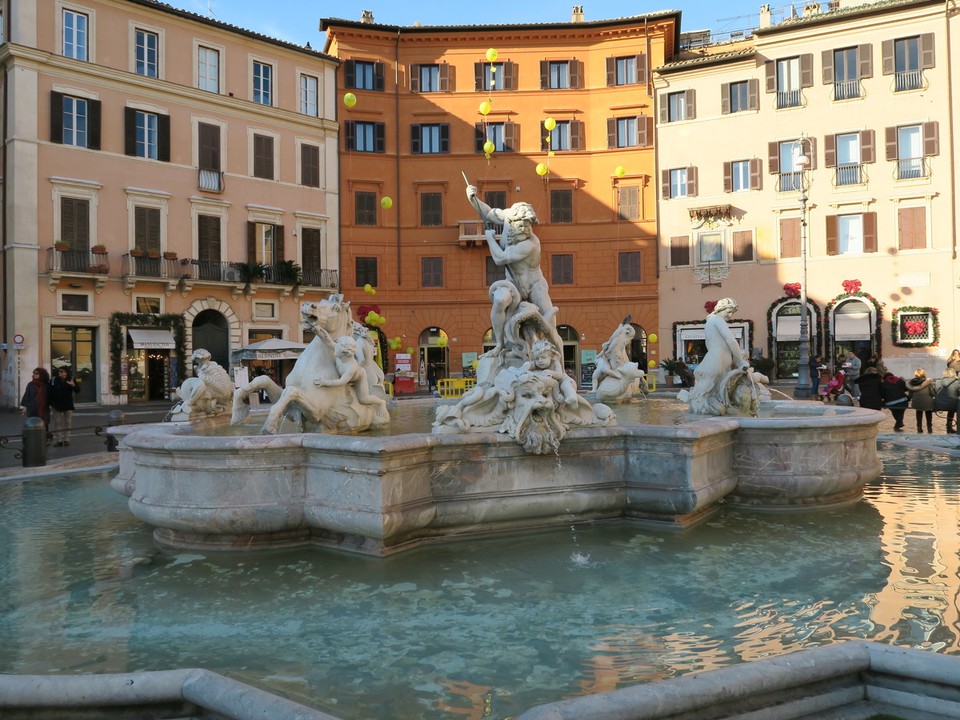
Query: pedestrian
{"points": [[868, 387], [851, 368], [953, 362], [34, 402], [62, 390], [920, 389], [893, 391], [947, 397], [814, 365]]}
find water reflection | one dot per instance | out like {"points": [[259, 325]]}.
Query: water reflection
{"points": [[479, 629]]}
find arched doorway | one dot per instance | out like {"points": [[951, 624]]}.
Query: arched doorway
{"points": [[786, 337], [211, 332], [852, 325], [571, 355], [637, 352], [433, 361]]}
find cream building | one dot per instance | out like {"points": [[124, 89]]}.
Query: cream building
{"points": [[157, 164], [864, 91]]}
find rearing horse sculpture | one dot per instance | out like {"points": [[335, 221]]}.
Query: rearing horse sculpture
{"points": [[323, 387]]}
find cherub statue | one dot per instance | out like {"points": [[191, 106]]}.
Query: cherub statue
{"points": [[349, 371], [209, 393], [546, 359]]}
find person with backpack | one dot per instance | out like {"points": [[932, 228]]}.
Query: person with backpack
{"points": [[921, 391]]}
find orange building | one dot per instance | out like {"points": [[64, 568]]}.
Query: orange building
{"points": [[427, 101]]}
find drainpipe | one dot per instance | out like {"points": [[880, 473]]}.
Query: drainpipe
{"points": [[7, 15], [396, 125], [953, 168]]}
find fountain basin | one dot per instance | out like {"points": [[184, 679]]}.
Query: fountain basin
{"points": [[381, 495]]}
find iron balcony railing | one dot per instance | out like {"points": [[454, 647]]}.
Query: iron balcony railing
{"points": [[150, 265], [211, 180], [790, 181], [272, 273], [846, 89], [850, 175], [911, 168], [788, 98], [908, 80], [77, 261]]}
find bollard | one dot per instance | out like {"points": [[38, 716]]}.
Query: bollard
{"points": [[34, 437], [116, 418]]}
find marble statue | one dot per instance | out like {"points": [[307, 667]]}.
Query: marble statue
{"points": [[723, 380], [615, 378], [207, 394], [335, 385], [522, 389]]}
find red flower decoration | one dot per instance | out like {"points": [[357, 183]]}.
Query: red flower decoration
{"points": [[709, 305], [364, 309], [851, 287], [915, 327], [791, 290]]}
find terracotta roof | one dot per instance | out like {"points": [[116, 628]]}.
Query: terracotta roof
{"points": [[692, 59]]}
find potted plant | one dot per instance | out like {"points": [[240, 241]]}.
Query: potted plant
{"points": [[672, 368], [251, 271], [137, 253], [153, 255], [170, 255], [289, 273], [763, 365], [99, 249], [61, 246]]}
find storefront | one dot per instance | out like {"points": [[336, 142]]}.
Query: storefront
{"points": [[786, 338], [148, 365]]}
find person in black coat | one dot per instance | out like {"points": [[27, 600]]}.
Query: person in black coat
{"points": [[893, 391], [34, 401], [947, 397], [61, 395], [869, 386]]}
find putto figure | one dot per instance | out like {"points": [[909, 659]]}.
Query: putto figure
{"points": [[207, 394]]}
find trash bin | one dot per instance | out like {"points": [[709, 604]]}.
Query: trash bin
{"points": [[34, 436]]}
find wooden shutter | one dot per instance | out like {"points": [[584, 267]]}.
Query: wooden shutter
{"points": [[75, 223], [544, 75], [448, 77], [826, 61], [812, 145], [644, 131], [927, 54], [679, 251], [890, 139], [770, 68], [415, 78], [576, 135], [479, 136], [629, 198], [56, 117], [380, 137], [833, 236], [349, 135], [868, 149], [728, 177], [208, 238], [576, 74], [310, 165], [444, 138], [912, 225], [887, 66], [263, 157], [830, 151], [870, 232], [278, 232], [664, 108], [509, 76], [478, 77], [415, 139], [691, 181], [378, 83], [690, 100], [753, 94], [611, 133], [310, 250], [146, 226], [773, 157], [806, 70], [350, 73], [641, 62], [93, 124], [129, 131], [163, 138], [756, 174], [931, 138], [665, 184], [790, 237], [725, 98], [251, 242], [865, 61], [511, 136], [743, 246], [611, 71], [208, 142]]}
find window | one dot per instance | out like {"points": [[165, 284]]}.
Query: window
{"points": [[494, 272], [740, 96], [74, 303], [363, 75], [907, 58], [560, 74], [710, 248], [628, 200], [262, 83], [628, 267], [264, 243], [208, 69], [790, 237], [147, 53], [567, 135], [627, 132], [263, 157], [910, 145], [265, 310], [431, 209], [74, 121], [845, 152], [561, 269], [912, 228], [429, 139], [146, 135], [75, 38], [783, 158], [739, 175], [311, 254], [493, 77], [915, 326], [678, 106], [743, 246], [366, 271], [426, 78], [365, 136], [208, 247], [505, 137], [148, 304], [208, 156], [679, 251], [75, 223], [678, 183], [146, 229], [561, 206], [365, 208], [431, 269], [630, 70], [852, 233], [846, 80], [787, 77], [309, 165], [308, 95]]}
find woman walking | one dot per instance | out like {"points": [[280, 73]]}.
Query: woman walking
{"points": [[61, 405], [921, 391], [948, 397], [893, 390], [34, 401]]}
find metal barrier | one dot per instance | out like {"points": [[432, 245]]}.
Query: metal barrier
{"points": [[454, 387], [35, 438]]}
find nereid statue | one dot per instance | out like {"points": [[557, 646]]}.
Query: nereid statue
{"points": [[207, 394], [617, 379]]}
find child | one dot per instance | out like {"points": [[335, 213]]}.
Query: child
{"points": [[833, 389]]}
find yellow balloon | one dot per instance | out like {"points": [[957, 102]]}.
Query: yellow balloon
{"points": [[652, 364], [652, 337], [350, 100], [367, 287], [373, 291], [551, 153], [386, 203], [550, 123], [492, 55], [541, 169], [441, 342], [409, 351], [485, 108], [489, 147], [620, 171]]}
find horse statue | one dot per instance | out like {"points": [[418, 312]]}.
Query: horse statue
{"points": [[335, 385]]}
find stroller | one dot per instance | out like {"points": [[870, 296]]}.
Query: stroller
{"points": [[835, 388]]}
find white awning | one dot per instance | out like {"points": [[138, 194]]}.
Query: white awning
{"points": [[152, 339], [788, 327], [851, 326]]}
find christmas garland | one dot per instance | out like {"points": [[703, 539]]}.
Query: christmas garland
{"points": [[779, 302], [934, 315], [878, 306], [119, 321]]}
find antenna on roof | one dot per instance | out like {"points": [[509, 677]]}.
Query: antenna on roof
{"points": [[210, 9]]}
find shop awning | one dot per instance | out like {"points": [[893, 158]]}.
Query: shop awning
{"points": [[270, 349], [788, 327], [851, 326], [152, 339]]}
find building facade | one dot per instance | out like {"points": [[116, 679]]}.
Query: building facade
{"points": [[169, 182], [557, 115], [818, 155]]}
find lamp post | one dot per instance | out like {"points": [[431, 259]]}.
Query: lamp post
{"points": [[802, 390]]}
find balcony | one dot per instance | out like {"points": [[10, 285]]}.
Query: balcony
{"points": [[66, 262], [850, 175], [472, 233], [790, 181], [140, 266], [245, 276], [846, 89], [912, 168], [789, 99], [908, 80], [211, 181]]}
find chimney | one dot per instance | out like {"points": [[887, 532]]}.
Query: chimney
{"points": [[764, 16], [366, 16], [577, 14]]}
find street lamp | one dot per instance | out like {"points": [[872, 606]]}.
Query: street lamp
{"points": [[802, 390]]}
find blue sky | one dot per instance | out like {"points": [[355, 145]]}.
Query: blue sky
{"points": [[296, 20]]}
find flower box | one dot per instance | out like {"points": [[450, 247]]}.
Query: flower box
{"points": [[153, 255], [61, 247], [136, 252], [168, 255], [99, 249]]}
